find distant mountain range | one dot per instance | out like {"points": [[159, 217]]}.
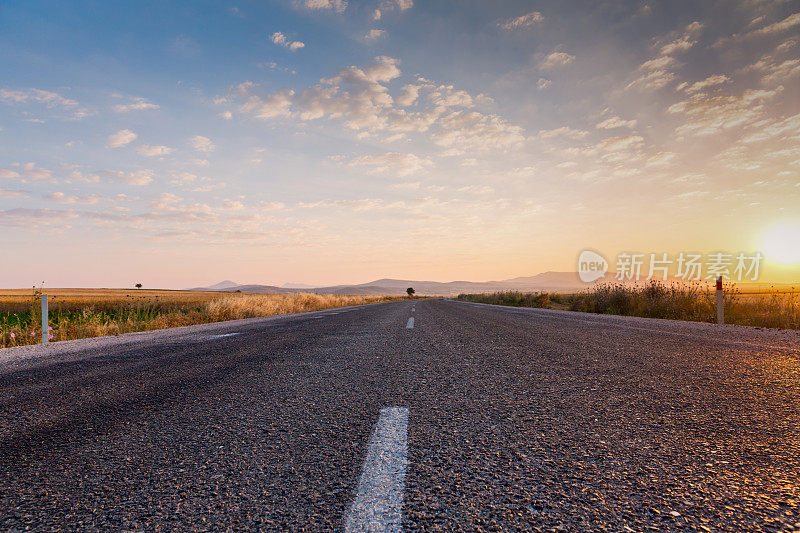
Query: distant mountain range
{"points": [[546, 281]]}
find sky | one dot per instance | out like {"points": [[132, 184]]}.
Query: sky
{"points": [[178, 144]]}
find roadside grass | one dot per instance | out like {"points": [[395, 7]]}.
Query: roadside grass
{"points": [[697, 302], [83, 313]]}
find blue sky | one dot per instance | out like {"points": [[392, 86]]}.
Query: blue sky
{"points": [[324, 141]]}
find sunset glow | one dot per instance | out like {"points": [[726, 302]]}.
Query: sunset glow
{"points": [[782, 244], [322, 142]]}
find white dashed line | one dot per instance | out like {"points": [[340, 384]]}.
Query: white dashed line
{"points": [[222, 335], [410, 324], [378, 505]]}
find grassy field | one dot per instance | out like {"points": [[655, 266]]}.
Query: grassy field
{"points": [[81, 313], [771, 309]]}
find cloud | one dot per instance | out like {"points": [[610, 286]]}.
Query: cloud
{"points": [[61, 198], [615, 122], [357, 94], [774, 71], [165, 201], [367, 204], [136, 104], [655, 79], [137, 178], [448, 96], [22, 96], [152, 151], [201, 144], [275, 105], [269, 206], [360, 98], [408, 96], [711, 81], [476, 189], [48, 98], [10, 193], [684, 42], [8, 174], [543, 83], [281, 40], [710, 114], [563, 131], [390, 5], [621, 151], [658, 63], [394, 162], [232, 205], [465, 130], [183, 178], [660, 159], [556, 59], [121, 138], [77, 175], [30, 170], [374, 35], [521, 22], [789, 22], [656, 72], [330, 5], [787, 129]]}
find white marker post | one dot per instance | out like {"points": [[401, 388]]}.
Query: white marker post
{"points": [[720, 302], [45, 331]]}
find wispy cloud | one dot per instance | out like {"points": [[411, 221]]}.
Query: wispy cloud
{"points": [[374, 35], [49, 99], [201, 144], [152, 151], [121, 138], [135, 104], [615, 122], [326, 5], [522, 22], [556, 58], [398, 163], [30, 170], [281, 40]]}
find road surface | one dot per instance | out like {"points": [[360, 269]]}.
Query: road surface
{"points": [[468, 417]]}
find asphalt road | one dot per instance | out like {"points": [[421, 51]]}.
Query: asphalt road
{"points": [[499, 418]]}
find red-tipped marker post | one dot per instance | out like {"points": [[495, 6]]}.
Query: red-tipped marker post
{"points": [[720, 302]]}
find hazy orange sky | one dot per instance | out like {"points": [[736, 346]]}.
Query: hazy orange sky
{"points": [[323, 141]]}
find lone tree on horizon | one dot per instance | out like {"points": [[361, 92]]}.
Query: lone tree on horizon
{"points": [[138, 285], [410, 291]]}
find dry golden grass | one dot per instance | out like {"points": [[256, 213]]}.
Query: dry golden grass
{"points": [[82, 313], [761, 308]]}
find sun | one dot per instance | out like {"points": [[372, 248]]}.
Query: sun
{"points": [[781, 244]]}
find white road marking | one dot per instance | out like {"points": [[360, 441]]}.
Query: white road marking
{"points": [[221, 335], [410, 324], [378, 505]]}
